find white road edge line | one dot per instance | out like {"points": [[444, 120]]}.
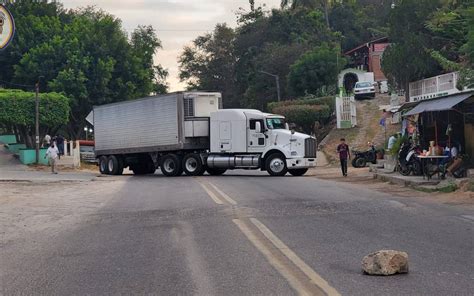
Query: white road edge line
{"points": [[216, 199], [308, 271], [283, 270], [225, 196]]}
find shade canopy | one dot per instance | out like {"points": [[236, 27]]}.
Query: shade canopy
{"points": [[442, 104]]}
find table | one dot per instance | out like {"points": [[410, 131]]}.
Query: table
{"points": [[425, 159]]}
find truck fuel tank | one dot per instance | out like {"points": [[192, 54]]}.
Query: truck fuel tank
{"points": [[233, 161]]}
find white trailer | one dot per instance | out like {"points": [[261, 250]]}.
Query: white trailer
{"points": [[189, 132]]}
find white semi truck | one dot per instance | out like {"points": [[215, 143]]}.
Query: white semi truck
{"points": [[189, 132]]}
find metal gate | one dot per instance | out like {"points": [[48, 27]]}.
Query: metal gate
{"points": [[346, 112]]}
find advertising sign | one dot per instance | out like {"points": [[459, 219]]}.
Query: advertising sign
{"points": [[7, 27]]}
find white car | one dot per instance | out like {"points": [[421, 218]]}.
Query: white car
{"points": [[363, 90]]}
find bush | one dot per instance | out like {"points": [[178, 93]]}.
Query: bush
{"points": [[397, 145], [304, 115], [307, 100], [17, 112]]}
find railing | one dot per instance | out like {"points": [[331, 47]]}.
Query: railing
{"points": [[433, 87]]}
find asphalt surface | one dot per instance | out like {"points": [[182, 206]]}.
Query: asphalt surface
{"points": [[181, 236]]}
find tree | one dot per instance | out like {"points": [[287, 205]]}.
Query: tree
{"points": [[410, 38], [17, 113], [314, 70], [429, 34], [324, 5], [84, 54], [210, 62]]}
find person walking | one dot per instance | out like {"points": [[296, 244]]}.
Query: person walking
{"points": [[60, 144], [344, 155], [52, 154]]}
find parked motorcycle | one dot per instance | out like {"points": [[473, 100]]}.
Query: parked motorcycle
{"points": [[362, 157], [407, 161]]}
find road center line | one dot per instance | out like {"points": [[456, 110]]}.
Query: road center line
{"points": [[308, 271], [223, 195], [214, 197], [272, 259]]}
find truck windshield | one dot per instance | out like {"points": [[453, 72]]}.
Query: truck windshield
{"points": [[275, 123]]}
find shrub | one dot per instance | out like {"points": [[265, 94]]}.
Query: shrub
{"points": [[17, 112], [307, 100]]}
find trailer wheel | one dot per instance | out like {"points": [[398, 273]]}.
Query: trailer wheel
{"points": [[171, 165], [113, 165], [192, 165], [103, 165], [298, 172], [276, 165], [215, 171]]}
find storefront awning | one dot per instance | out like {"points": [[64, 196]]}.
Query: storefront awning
{"points": [[442, 104], [407, 106]]}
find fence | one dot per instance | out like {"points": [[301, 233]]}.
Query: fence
{"points": [[346, 112], [434, 87]]}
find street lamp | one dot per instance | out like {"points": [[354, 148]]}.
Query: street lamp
{"points": [[277, 80], [86, 130], [90, 131]]}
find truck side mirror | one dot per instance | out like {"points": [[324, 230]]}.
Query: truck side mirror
{"points": [[258, 127]]}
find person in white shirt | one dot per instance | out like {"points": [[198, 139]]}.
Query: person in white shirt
{"points": [[52, 154], [454, 152], [47, 140]]}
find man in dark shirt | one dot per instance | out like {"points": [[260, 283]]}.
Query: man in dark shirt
{"points": [[344, 154], [60, 144]]}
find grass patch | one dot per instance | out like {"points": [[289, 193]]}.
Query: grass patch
{"points": [[451, 187]]}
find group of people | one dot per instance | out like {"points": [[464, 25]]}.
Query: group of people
{"points": [[55, 150]]}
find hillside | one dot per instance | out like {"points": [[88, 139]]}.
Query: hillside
{"points": [[368, 129]]}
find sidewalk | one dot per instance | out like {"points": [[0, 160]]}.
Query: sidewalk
{"points": [[11, 170]]}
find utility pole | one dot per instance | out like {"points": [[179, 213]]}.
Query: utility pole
{"points": [[277, 81], [37, 121]]}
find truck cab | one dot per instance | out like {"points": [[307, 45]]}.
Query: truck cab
{"points": [[245, 135]]}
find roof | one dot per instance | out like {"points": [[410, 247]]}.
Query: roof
{"points": [[441, 104], [407, 106], [365, 45]]}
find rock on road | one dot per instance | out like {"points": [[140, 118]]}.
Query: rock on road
{"points": [[231, 235]]}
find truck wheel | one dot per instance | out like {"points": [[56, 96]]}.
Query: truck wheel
{"points": [[215, 171], [112, 165], [103, 165], [192, 165], [171, 165], [298, 172], [276, 165]]}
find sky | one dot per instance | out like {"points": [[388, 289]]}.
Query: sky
{"points": [[177, 22]]}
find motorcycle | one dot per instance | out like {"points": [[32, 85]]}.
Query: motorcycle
{"points": [[407, 161], [362, 157]]}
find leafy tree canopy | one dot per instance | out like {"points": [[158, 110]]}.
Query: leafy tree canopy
{"points": [[84, 54], [17, 113]]}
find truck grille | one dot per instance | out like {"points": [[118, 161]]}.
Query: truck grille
{"points": [[310, 148]]}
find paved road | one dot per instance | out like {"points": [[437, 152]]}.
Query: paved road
{"points": [[235, 235]]}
